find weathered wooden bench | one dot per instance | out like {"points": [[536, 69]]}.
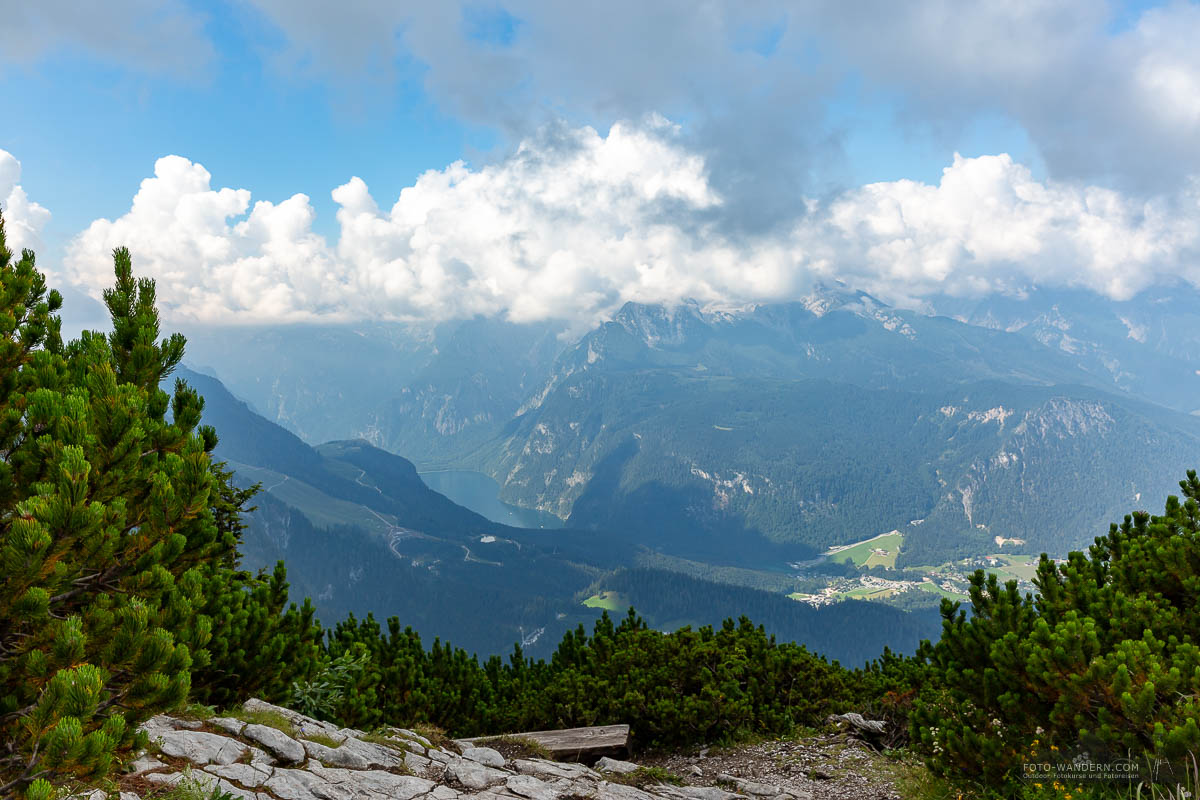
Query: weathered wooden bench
{"points": [[575, 744]]}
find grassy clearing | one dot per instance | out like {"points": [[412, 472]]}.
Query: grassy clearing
{"points": [[1016, 567], [878, 551], [869, 593], [609, 601]]}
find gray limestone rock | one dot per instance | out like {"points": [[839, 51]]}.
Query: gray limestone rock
{"points": [[531, 788], [473, 775], [276, 741], [299, 784], [416, 737], [617, 791], [484, 755], [375, 782], [206, 783], [258, 756], [159, 724], [230, 724], [615, 766], [541, 768], [200, 747], [144, 763], [697, 792], [335, 756], [416, 763], [251, 775]]}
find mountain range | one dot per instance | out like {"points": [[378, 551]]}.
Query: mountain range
{"points": [[771, 432], [739, 442], [360, 532]]}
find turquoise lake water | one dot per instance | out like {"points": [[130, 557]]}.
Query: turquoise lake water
{"points": [[480, 493]]}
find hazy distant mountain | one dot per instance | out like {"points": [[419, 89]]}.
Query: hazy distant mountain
{"points": [[471, 384], [434, 393], [1148, 346], [764, 432], [321, 382], [360, 532], [727, 435]]}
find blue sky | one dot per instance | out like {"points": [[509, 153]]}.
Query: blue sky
{"points": [[789, 108]]}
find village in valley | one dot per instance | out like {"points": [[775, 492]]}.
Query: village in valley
{"points": [[950, 580]]}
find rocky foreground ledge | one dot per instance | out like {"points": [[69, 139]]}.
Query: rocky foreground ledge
{"points": [[320, 761]]}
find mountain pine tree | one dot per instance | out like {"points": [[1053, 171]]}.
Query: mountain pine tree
{"points": [[1105, 657], [104, 517], [259, 644], [118, 541]]}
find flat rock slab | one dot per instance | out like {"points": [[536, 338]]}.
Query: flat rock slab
{"points": [[234, 726], [377, 783], [619, 791], [541, 768], [299, 784], [276, 741], [484, 755], [531, 788], [698, 792], [615, 766], [206, 783], [200, 747], [144, 764], [473, 776], [251, 775], [335, 756]]}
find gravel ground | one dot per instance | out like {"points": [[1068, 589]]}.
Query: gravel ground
{"points": [[825, 767]]}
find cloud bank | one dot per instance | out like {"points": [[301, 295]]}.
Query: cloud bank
{"points": [[574, 223], [23, 218], [1105, 94]]}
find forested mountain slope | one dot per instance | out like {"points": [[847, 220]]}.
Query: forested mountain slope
{"points": [[654, 424], [360, 532]]}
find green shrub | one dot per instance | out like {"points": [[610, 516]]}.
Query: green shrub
{"points": [[1104, 656]]}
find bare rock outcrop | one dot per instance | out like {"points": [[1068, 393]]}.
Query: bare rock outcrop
{"points": [[315, 760]]}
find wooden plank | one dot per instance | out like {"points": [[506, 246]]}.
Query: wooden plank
{"points": [[575, 744]]}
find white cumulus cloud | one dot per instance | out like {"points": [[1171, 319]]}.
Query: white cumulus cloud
{"points": [[23, 218], [990, 226], [574, 223]]}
